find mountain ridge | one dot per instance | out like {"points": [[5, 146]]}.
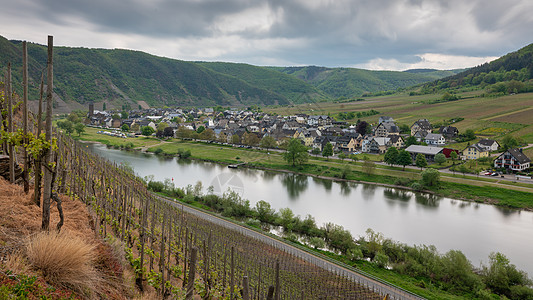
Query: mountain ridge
{"points": [[122, 78]]}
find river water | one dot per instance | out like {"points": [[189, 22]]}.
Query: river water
{"points": [[411, 218]]}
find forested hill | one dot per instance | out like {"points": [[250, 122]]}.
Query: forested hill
{"points": [[347, 82], [510, 73], [124, 77]]}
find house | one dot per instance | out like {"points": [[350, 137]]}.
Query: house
{"points": [[420, 135], [421, 125], [490, 145], [385, 119], [474, 152], [378, 145], [513, 159], [346, 143], [429, 152], [386, 128], [396, 141], [434, 139], [449, 132]]}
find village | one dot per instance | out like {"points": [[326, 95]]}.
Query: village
{"points": [[252, 128]]}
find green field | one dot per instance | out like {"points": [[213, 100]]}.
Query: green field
{"points": [[490, 117]]}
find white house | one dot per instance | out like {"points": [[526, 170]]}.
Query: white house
{"points": [[434, 139]]}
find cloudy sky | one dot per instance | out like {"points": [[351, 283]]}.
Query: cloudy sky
{"points": [[371, 34]]}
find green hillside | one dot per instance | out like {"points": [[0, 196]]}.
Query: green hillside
{"points": [[351, 82], [511, 73], [123, 78]]}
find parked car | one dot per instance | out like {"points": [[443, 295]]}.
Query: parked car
{"points": [[494, 174], [488, 173]]}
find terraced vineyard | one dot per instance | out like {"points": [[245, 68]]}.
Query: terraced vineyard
{"points": [[183, 253]]}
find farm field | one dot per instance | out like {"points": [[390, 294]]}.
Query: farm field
{"points": [[490, 117]]}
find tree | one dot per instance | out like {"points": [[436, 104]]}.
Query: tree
{"points": [[391, 156], [235, 139], [411, 140], [430, 177], [250, 139], [115, 116], [125, 127], [362, 127], [353, 157], [268, 142], [296, 153], [124, 115], [509, 142], [469, 135], [168, 132], [369, 167], [66, 125], [80, 128], [208, 135], [200, 129], [184, 132], [161, 126], [342, 156], [315, 151], [104, 106], [147, 130], [440, 158], [463, 169], [421, 161], [265, 213], [286, 218], [135, 127], [404, 158], [453, 156], [328, 150]]}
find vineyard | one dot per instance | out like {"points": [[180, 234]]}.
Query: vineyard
{"points": [[181, 254]]}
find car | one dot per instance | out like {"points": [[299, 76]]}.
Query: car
{"points": [[488, 173], [494, 174]]}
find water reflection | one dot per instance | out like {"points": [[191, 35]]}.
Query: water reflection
{"points": [[394, 194], [268, 176], [346, 188], [369, 191], [507, 212], [326, 183], [428, 200], [295, 184]]}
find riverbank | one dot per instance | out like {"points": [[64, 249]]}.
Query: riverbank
{"points": [[452, 186]]}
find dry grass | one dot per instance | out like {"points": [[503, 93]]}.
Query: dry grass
{"points": [[64, 259], [75, 258]]}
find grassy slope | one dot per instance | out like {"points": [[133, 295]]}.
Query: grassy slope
{"points": [[490, 117]]}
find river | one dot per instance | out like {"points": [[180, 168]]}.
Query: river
{"points": [[411, 218]]}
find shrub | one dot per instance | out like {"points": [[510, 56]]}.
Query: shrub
{"points": [[156, 186], [63, 259], [416, 186]]}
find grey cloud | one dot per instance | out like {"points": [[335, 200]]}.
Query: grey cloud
{"points": [[332, 33]]}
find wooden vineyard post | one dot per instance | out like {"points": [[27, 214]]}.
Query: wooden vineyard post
{"points": [[192, 274], [152, 235], [232, 273], [37, 164], [47, 192], [162, 242], [25, 114], [270, 295], [245, 288], [11, 148], [277, 295]]}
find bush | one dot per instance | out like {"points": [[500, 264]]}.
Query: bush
{"points": [[381, 259], [156, 186], [416, 186], [64, 259], [158, 151]]}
